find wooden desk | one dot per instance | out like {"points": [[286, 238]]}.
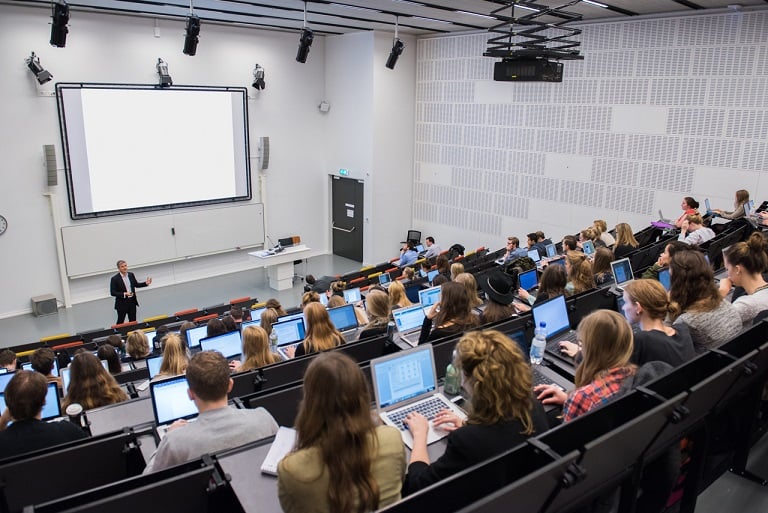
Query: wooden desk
{"points": [[280, 265]]}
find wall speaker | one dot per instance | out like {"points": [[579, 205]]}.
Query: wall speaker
{"points": [[44, 305], [50, 164], [263, 153]]}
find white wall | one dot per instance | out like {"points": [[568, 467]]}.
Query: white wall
{"points": [[122, 49]]}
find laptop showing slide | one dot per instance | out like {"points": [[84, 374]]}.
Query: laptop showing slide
{"points": [[229, 344], [343, 317], [529, 279], [431, 275], [385, 279], [170, 402], [406, 381], [622, 273], [195, 334], [352, 295], [428, 297], [289, 333], [408, 322], [551, 250], [555, 314]]}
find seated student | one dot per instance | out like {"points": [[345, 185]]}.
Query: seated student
{"points": [[377, 306], [451, 315], [274, 303], [237, 315], [90, 385], [215, 327], [409, 274], [268, 318], [625, 241], [590, 234], [745, 263], [741, 199], [309, 297], [320, 285], [157, 340], [456, 269], [579, 270], [443, 267], [108, 353], [397, 296], [218, 427], [337, 289], [25, 398], [117, 342], [601, 266], [552, 284], [256, 351], [137, 345], [693, 231], [342, 461], [696, 301], [175, 358], [469, 283], [408, 255], [601, 227], [321, 333], [42, 361], [498, 288], [663, 260], [8, 360], [432, 249], [689, 206], [229, 323], [570, 244], [503, 412], [646, 303], [514, 250], [542, 242]]}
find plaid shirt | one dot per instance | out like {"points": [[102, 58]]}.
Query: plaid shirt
{"points": [[595, 394]]}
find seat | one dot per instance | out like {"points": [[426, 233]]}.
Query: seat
{"points": [[204, 318], [58, 338], [413, 236]]}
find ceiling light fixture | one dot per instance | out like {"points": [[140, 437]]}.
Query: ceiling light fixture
{"points": [[305, 42], [397, 49], [193, 31], [33, 63], [60, 16]]}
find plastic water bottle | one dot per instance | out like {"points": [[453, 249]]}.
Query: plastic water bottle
{"points": [[452, 378], [539, 343], [273, 340]]}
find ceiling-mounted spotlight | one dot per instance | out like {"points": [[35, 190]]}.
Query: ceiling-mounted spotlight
{"points": [[191, 39], [162, 72], [60, 16], [258, 78], [33, 63], [397, 49], [307, 36]]}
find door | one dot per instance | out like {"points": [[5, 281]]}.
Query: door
{"points": [[347, 217]]}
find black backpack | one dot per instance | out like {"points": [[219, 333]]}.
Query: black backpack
{"points": [[455, 250]]}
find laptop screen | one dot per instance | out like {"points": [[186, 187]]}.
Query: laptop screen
{"points": [[431, 275], [430, 296], [52, 408], [153, 365], [707, 205], [150, 336], [529, 279], [54, 370], [289, 332], [256, 312], [551, 250], [665, 279], [228, 344], [323, 299], [290, 317], [554, 313], [747, 209], [4, 379], [420, 248], [622, 271], [558, 261], [533, 254], [245, 324], [408, 318], [384, 279], [404, 375], [195, 334], [588, 246], [352, 295], [343, 317], [170, 401]]}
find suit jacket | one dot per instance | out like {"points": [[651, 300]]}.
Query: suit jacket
{"points": [[117, 289]]}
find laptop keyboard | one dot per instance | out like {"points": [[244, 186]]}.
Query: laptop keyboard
{"points": [[429, 408], [553, 346], [539, 378]]}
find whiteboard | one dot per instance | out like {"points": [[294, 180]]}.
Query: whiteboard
{"points": [[94, 248]]}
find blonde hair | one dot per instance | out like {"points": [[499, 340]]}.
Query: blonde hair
{"points": [[456, 269], [470, 284], [335, 301], [607, 343], [309, 297], [600, 225], [321, 333], [694, 219], [268, 317], [256, 351], [397, 295], [377, 304], [137, 345], [580, 274], [175, 359], [624, 236], [651, 295]]}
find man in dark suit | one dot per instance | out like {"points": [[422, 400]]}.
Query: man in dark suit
{"points": [[123, 287]]}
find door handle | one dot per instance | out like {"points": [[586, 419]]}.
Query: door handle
{"points": [[343, 229]]}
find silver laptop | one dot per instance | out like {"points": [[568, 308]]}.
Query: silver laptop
{"points": [[385, 279], [622, 273], [228, 344], [345, 320], [352, 295], [428, 297], [408, 322], [663, 219], [170, 402], [404, 382], [289, 334]]}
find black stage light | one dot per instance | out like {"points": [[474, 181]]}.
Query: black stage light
{"points": [[394, 54], [191, 39], [307, 36], [258, 78], [162, 72], [33, 63], [59, 28]]}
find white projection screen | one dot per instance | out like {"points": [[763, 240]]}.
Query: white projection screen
{"points": [[133, 148]]}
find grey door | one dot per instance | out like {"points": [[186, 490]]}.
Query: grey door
{"points": [[347, 217]]}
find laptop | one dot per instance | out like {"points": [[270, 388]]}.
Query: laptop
{"points": [[289, 334], [170, 402], [54, 370], [431, 275], [708, 206], [408, 322], [256, 313], [664, 219], [245, 324], [290, 317], [428, 297], [559, 261], [406, 381], [533, 254], [153, 365], [52, 406], [555, 314], [195, 334], [588, 247], [352, 295], [622, 273], [529, 280], [228, 344], [343, 317], [551, 250], [4, 380], [665, 279], [323, 299], [385, 279], [419, 248]]}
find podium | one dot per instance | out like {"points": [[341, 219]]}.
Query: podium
{"points": [[280, 265]]}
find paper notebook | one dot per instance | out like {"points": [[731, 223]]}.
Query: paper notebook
{"points": [[285, 439]]}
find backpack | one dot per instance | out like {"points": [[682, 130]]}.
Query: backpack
{"points": [[455, 250]]}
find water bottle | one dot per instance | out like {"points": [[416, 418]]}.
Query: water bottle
{"points": [[391, 331], [273, 340], [452, 378], [539, 343]]}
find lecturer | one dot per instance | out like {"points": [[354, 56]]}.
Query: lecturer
{"points": [[123, 287]]}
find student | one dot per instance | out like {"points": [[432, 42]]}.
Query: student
{"points": [[498, 288], [342, 461], [456, 269], [450, 316], [309, 297], [625, 241], [690, 206], [8, 360], [601, 227], [741, 199], [663, 261], [432, 249], [467, 280], [137, 345], [408, 255], [217, 427], [268, 318], [745, 263], [90, 385], [552, 284], [274, 303], [256, 350], [377, 306], [579, 270], [107, 353], [321, 333], [397, 296], [175, 359], [693, 232], [570, 244], [215, 327], [601, 266], [42, 361], [503, 412], [514, 250]]}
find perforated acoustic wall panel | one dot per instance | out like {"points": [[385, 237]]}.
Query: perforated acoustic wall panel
{"points": [[658, 109]]}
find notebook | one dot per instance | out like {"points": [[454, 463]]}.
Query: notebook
{"points": [[228, 344], [529, 279], [404, 382], [352, 295], [551, 250], [555, 314], [385, 279], [343, 317], [622, 273], [170, 402], [665, 279], [153, 365], [195, 334], [408, 322], [289, 333], [428, 297], [284, 441]]}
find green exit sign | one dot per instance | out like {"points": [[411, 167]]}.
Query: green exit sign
{"points": [[343, 172]]}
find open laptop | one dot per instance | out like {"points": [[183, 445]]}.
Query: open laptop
{"points": [[54, 370], [256, 312], [290, 317], [228, 344], [289, 333], [195, 334], [665, 279], [663, 219], [344, 319], [52, 406], [555, 314], [408, 322], [404, 382], [551, 250], [245, 324], [170, 402], [533, 254], [588, 247], [431, 275], [430, 296], [352, 295], [528, 280], [708, 206], [419, 248], [4, 380], [622, 273], [323, 299], [153, 365], [385, 279]]}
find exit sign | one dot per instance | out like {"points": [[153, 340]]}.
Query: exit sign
{"points": [[343, 172]]}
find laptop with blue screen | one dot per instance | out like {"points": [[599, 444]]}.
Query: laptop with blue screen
{"points": [[385, 279], [406, 381], [555, 314], [622, 273], [665, 279], [343, 318], [352, 295], [428, 297], [408, 322], [228, 344], [529, 279]]}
